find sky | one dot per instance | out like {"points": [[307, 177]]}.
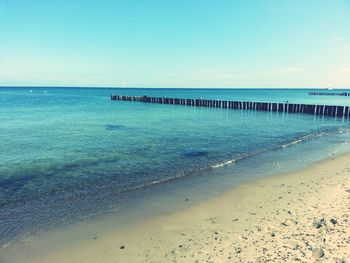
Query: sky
{"points": [[175, 43]]}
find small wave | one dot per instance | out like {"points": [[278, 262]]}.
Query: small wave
{"points": [[309, 137], [223, 163], [294, 141], [291, 143], [151, 183]]}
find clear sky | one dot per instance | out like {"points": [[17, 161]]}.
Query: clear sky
{"points": [[175, 43]]}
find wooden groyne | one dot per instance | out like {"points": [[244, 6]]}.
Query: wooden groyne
{"points": [[330, 93], [323, 110]]}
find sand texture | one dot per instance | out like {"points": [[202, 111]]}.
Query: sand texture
{"points": [[302, 216]]}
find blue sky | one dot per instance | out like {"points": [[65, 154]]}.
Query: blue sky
{"points": [[178, 43]]}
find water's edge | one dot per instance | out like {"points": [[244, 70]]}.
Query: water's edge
{"points": [[164, 197]]}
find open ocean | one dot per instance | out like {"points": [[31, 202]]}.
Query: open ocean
{"points": [[68, 154]]}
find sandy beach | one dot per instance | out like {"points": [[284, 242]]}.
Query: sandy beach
{"points": [[301, 216], [174, 131]]}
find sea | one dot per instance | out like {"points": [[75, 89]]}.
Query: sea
{"points": [[71, 155]]}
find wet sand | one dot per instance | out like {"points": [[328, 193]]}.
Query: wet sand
{"points": [[302, 216]]}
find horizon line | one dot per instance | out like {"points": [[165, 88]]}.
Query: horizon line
{"points": [[135, 87]]}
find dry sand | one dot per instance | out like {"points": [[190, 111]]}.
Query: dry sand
{"points": [[302, 216]]}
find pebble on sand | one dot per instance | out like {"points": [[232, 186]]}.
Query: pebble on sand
{"points": [[319, 223]]}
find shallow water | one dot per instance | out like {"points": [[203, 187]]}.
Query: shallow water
{"points": [[70, 154]]}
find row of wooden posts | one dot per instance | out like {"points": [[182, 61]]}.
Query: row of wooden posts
{"points": [[330, 93], [323, 110]]}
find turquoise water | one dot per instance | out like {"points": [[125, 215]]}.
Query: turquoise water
{"points": [[68, 154]]}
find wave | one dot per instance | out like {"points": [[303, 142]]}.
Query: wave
{"points": [[111, 190], [61, 206], [224, 163], [294, 141]]}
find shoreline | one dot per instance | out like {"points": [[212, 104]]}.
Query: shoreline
{"points": [[299, 216]]}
